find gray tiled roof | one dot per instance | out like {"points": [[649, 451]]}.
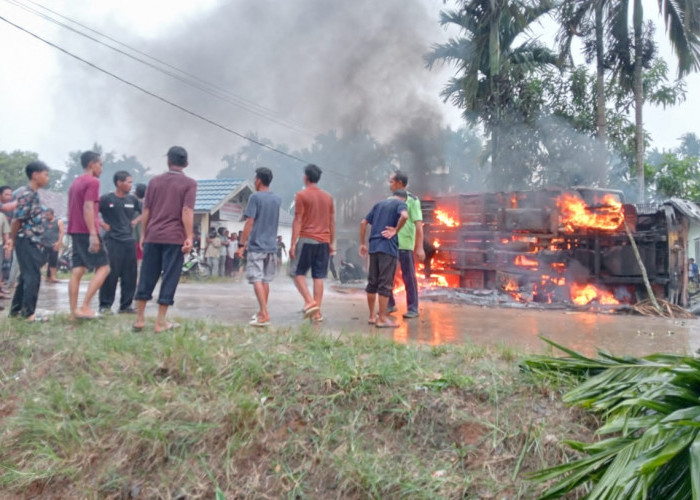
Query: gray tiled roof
{"points": [[211, 192]]}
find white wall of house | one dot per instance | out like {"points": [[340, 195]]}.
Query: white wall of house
{"points": [[694, 239]]}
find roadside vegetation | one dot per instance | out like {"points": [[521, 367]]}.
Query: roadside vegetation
{"points": [[95, 410], [649, 443]]}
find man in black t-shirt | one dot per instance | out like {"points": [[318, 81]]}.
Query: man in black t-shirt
{"points": [[120, 212]]}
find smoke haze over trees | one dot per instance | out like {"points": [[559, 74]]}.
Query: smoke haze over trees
{"points": [[344, 85]]}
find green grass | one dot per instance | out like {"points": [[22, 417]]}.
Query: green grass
{"points": [[94, 410]]}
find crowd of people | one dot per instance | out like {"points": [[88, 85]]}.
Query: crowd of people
{"points": [[136, 240]]}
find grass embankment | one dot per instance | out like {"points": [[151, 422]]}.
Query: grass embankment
{"points": [[97, 411]]}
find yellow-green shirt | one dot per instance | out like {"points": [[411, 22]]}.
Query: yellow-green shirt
{"points": [[407, 235]]}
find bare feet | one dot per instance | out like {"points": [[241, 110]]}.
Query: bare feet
{"points": [[84, 313], [164, 327]]}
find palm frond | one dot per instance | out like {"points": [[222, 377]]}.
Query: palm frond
{"points": [[651, 410], [682, 20]]}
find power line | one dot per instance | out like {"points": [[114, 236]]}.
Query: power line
{"points": [[191, 80], [156, 96]]}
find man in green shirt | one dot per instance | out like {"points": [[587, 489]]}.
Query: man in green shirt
{"points": [[410, 244]]}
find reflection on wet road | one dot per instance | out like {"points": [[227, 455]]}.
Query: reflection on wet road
{"points": [[345, 311]]}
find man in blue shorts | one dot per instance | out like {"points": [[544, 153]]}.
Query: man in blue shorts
{"points": [[259, 241], [386, 219], [313, 233]]}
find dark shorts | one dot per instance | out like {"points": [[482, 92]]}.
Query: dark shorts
{"points": [[82, 257], [160, 261], [51, 256], [313, 256], [380, 278]]}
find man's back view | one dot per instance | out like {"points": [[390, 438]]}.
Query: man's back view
{"points": [[313, 233]]}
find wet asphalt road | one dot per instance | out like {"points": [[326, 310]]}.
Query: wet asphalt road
{"points": [[345, 312]]}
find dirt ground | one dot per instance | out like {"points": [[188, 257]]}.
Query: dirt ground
{"points": [[345, 311]]}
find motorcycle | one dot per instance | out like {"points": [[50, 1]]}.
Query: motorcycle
{"points": [[194, 266], [64, 261], [349, 272]]}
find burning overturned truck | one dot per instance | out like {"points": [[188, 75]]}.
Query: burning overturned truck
{"points": [[558, 246]]}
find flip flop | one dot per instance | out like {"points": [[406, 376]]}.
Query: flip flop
{"points": [[386, 325], [372, 321], [94, 316], [135, 328], [318, 320], [309, 311], [255, 322]]}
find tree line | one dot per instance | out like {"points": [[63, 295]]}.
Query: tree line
{"points": [[533, 117], [508, 81]]}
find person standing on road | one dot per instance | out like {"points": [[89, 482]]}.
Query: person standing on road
{"points": [[52, 239], [211, 254], [4, 254], [313, 232], [25, 236], [83, 227], [140, 193], [168, 227], [119, 210], [259, 241], [386, 219], [410, 245], [7, 206], [223, 237]]}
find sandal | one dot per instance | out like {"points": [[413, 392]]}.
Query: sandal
{"points": [[386, 325], [310, 311]]}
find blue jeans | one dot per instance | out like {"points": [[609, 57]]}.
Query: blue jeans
{"points": [[408, 274], [160, 258]]}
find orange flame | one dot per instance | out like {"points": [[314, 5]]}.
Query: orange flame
{"points": [[575, 214], [512, 288], [445, 219], [436, 243], [524, 261], [585, 294]]}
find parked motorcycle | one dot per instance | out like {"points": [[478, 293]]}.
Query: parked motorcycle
{"points": [[349, 272], [195, 266], [64, 261]]}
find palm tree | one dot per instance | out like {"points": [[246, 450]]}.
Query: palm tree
{"points": [[587, 18], [690, 145], [682, 21], [489, 60]]}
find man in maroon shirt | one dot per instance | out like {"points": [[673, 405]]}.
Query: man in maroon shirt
{"points": [[168, 221], [83, 227]]}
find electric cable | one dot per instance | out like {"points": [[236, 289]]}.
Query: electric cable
{"points": [[156, 96], [191, 80]]}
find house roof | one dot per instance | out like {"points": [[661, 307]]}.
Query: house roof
{"points": [[212, 193]]}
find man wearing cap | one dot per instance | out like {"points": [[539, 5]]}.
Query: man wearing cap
{"points": [[168, 226], [83, 227]]}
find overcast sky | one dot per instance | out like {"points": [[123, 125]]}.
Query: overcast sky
{"points": [[302, 67]]}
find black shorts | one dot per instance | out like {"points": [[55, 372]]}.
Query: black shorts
{"points": [[82, 257], [313, 256], [51, 255], [380, 278]]}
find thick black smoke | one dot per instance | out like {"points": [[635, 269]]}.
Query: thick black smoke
{"points": [[323, 65]]}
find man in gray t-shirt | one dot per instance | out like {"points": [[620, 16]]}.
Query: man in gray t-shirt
{"points": [[259, 240]]}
